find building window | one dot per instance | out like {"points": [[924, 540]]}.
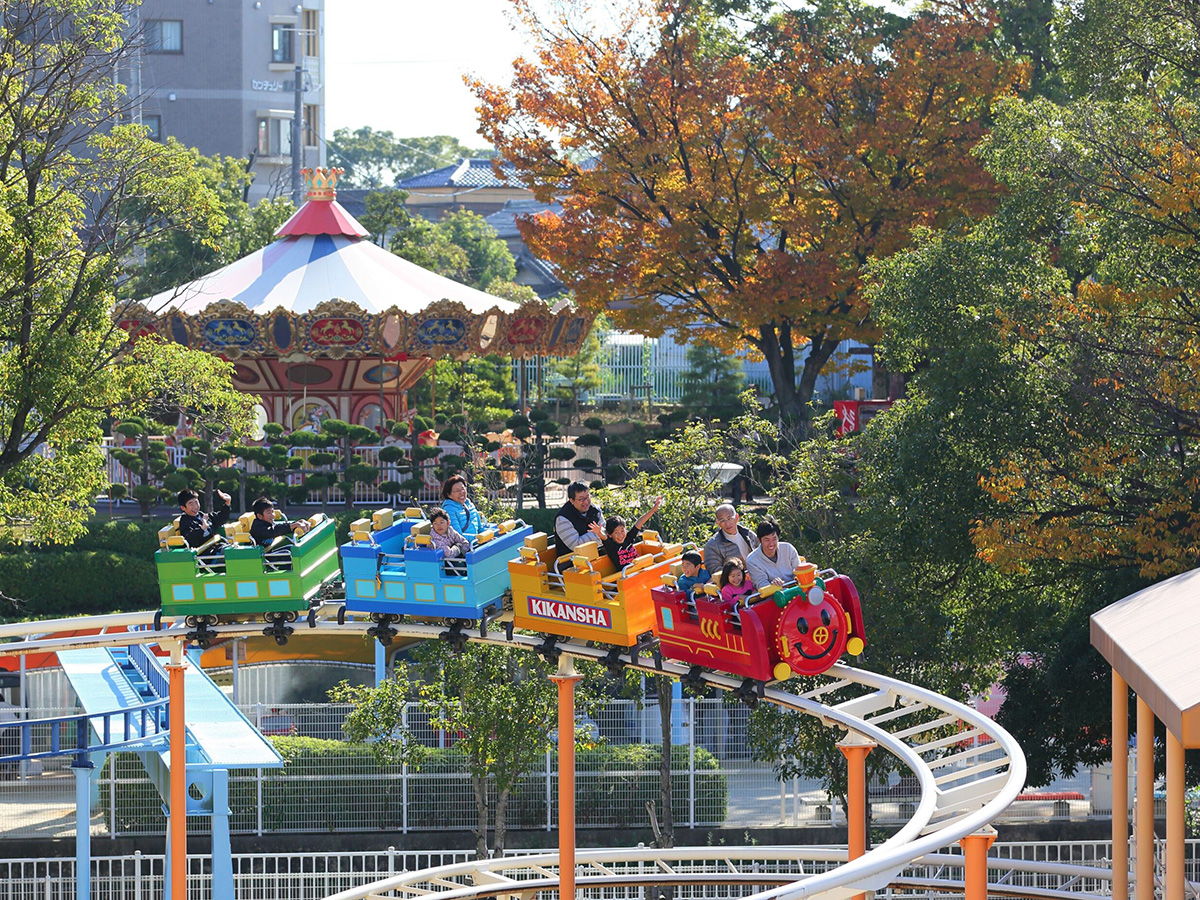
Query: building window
{"points": [[164, 36], [312, 33], [281, 43], [274, 137], [312, 125], [153, 127]]}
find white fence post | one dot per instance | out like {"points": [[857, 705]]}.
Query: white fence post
{"points": [[691, 727], [404, 778]]}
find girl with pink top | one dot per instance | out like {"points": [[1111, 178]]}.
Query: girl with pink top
{"points": [[735, 583]]}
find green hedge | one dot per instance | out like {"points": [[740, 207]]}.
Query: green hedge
{"points": [[355, 793], [131, 538], [539, 519], [76, 583]]}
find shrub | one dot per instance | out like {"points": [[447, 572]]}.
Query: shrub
{"points": [[323, 782], [74, 582]]}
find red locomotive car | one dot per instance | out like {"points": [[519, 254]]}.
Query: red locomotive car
{"points": [[800, 629]]}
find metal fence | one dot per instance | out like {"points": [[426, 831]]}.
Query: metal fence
{"points": [[634, 367], [308, 876], [341, 787]]}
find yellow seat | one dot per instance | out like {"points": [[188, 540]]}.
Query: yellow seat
{"points": [[650, 535], [422, 540], [316, 519], [484, 536], [242, 537], [413, 512], [712, 590], [529, 554], [176, 540], [588, 550], [506, 526], [640, 563], [421, 528], [231, 529], [360, 530], [244, 521], [767, 590], [581, 563], [382, 518], [669, 580], [539, 541]]}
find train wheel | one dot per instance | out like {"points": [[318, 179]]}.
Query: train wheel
{"points": [[191, 621], [281, 639], [209, 620], [811, 637], [290, 616]]}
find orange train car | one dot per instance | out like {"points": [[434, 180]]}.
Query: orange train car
{"points": [[585, 596]]}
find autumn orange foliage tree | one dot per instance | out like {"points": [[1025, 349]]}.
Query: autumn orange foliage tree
{"points": [[736, 188]]}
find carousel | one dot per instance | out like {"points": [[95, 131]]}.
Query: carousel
{"points": [[325, 323]]}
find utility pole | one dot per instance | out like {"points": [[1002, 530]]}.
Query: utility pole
{"points": [[297, 111]]}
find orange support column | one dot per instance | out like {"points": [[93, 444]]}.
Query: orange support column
{"points": [[178, 757], [1173, 878], [975, 850], [566, 679], [1143, 885], [855, 748], [1120, 787]]}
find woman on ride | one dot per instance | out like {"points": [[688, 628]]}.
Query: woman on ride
{"points": [[735, 583], [464, 517]]}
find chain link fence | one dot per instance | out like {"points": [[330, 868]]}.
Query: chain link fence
{"points": [[332, 785]]}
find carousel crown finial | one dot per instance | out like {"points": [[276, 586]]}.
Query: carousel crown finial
{"points": [[322, 183]]}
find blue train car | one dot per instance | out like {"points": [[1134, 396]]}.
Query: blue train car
{"points": [[391, 569]]}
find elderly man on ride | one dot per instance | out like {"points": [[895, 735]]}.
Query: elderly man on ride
{"points": [[732, 539]]}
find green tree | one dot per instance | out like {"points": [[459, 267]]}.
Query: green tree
{"points": [[376, 159], [712, 382], [579, 374], [499, 699], [70, 178], [461, 246], [182, 253]]}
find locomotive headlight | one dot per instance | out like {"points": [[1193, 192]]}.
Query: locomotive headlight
{"points": [[815, 595]]}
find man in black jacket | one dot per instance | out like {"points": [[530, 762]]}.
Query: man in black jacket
{"points": [[197, 527], [578, 520]]}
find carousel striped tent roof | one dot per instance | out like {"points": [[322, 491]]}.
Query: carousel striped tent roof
{"points": [[321, 256], [299, 273]]}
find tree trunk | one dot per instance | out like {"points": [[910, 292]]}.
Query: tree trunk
{"points": [[667, 820], [481, 814], [347, 485], [776, 348], [501, 826], [144, 454], [819, 352]]}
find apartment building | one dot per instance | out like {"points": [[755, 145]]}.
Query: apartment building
{"points": [[220, 75]]}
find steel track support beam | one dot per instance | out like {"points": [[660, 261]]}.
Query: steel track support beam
{"points": [[566, 678]]}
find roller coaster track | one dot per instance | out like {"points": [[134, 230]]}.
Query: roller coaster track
{"points": [[968, 769]]}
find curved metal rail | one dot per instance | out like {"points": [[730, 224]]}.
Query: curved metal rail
{"points": [[962, 788]]}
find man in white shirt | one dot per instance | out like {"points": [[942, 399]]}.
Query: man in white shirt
{"points": [[774, 561], [731, 539]]}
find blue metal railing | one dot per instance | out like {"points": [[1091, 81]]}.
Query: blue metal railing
{"points": [[145, 722]]}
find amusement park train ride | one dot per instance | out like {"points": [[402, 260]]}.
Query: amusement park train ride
{"points": [[389, 570]]}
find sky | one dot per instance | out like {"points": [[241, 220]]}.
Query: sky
{"points": [[397, 65]]}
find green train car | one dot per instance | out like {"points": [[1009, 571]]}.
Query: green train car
{"points": [[242, 580]]}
